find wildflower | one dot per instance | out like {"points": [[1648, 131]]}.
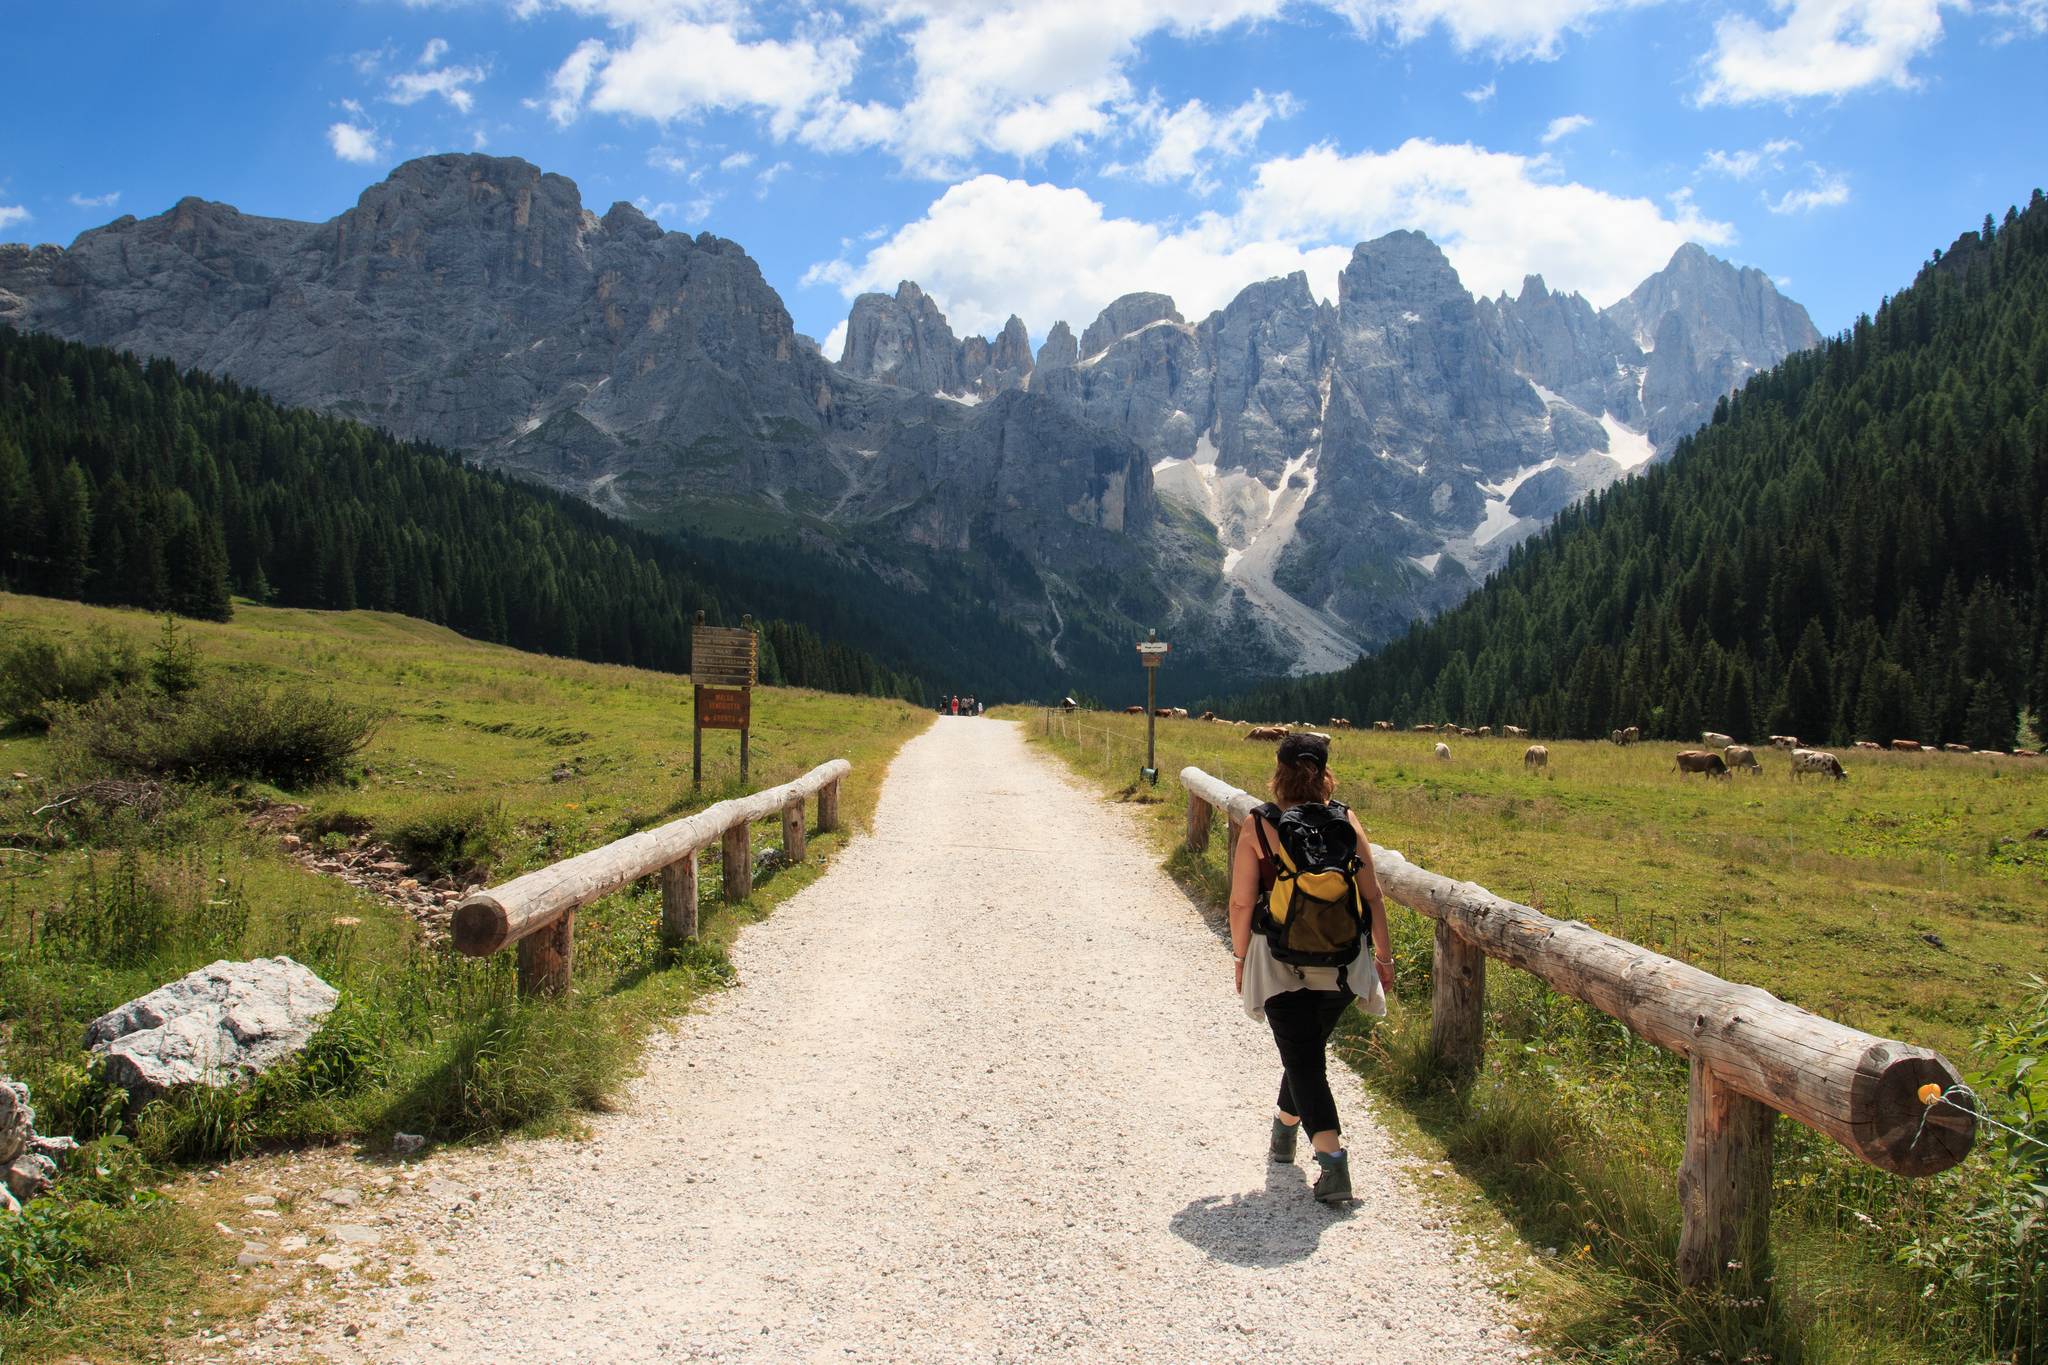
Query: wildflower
{"points": [[346, 921]]}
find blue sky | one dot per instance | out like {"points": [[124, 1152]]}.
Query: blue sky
{"points": [[1044, 157]]}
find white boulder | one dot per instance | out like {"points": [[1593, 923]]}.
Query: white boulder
{"points": [[211, 1026]]}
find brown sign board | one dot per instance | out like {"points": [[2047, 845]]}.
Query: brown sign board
{"points": [[720, 708], [724, 656]]}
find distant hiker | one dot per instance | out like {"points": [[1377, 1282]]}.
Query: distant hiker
{"points": [[956, 706], [1305, 908]]}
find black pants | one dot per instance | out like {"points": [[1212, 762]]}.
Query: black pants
{"points": [[1302, 1022]]}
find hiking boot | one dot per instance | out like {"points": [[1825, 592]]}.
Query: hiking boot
{"points": [[1333, 1182], [1284, 1136]]}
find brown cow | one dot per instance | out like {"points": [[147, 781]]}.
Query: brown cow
{"points": [[1701, 761], [1339, 723], [1955, 748], [1423, 729], [1383, 725], [1905, 746], [1207, 715], [1615, 737], [1864, 744], [1272, 733], [1465, 731], [1514, 732], [1741, 756], [1630, 734], [1134, 710], [1485, 732], [1535, 756]]}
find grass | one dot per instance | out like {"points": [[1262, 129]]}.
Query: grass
{"points": [[1908, 901], [486, 762]]}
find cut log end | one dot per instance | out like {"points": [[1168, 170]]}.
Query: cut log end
{"points": [[1901, 1134], [480, 926]]}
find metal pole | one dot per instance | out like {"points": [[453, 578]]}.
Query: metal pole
{"points": [[1151, 713]]}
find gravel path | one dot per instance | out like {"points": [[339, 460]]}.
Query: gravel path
{"points": [[983, 1094]]}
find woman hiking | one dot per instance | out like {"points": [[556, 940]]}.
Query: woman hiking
{"points": [[1305, 910]]}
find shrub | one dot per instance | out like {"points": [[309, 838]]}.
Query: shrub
{"points": [[228, 731], [458, 837], [39, 676]]}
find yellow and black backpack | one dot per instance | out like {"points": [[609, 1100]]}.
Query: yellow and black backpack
{"points": [[1310, 909]]}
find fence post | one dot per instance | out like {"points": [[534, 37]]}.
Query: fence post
{"points": [[738, 856], [1457, 1006], [828, 807], [1724, 1182], [1200, 813], [793, 832], [545, 956], [679, 901]]}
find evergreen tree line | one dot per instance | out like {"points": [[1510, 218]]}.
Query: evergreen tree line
{"points": [[130, 484], [1855, 546]]}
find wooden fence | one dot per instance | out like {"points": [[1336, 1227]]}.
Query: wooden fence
{"points": [[538, 911], [1753, 1055]]}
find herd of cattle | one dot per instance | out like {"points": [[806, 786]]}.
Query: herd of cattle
{"points": [[1720, 755]]}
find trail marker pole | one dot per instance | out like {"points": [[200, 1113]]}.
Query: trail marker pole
{"points": [[1151, 650]]}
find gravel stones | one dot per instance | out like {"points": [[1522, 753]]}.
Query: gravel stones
{"points": [[211, 1025]]}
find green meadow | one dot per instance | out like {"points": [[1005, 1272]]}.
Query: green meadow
{"points": [[482, 762], [1909, 900]]}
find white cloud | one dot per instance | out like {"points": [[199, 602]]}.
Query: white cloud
{"points": [[667, 159], [429, 77], [353, 143], [10, 214], [2022, 18], [699, 209], [1483, 95], [1822, 47], [1747, 161], [96, 201], [834, 344], [571, 80], [1020, 78], [1563, 126], [768, 175], [1502, 28], [1186, 142], [990, 245], [657, 212], [1824, 189], [367, 62], [737, 161]]}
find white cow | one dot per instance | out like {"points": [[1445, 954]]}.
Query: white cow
{"points": [[1535, 756], [1806, 761], [1714, 739], [1443, 750]]}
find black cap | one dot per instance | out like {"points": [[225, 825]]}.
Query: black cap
{"points": [[1306, 747]]}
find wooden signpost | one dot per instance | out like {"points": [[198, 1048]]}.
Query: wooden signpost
{"points": [[724, 665], [1151, 650]]}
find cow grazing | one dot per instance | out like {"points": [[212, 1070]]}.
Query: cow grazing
{"points": [[1134, 710], [1806, 761], [1988, 753], [1270, 733], [1615, 737], [1383, 725], [1861, 744], [1207, 715], [1485, 732], [1715, 739], [1785, 742], [1955, 748], [1905, 746], [2026, 753], [1514, 732], [1180, 713], [1631, 733], [1741, 757], [1443, 750], [1535, 756], [1423, 729], [1465, 731], [1701, 761], [1339, 723]]}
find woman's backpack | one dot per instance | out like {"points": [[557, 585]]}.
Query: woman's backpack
{"points": [[1312, 913]]}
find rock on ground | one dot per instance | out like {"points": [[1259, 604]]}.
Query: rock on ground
{"points": [[222, 1020]]}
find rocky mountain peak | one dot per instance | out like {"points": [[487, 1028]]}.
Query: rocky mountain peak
{"points": [[1059, 349], [1124, 316]]}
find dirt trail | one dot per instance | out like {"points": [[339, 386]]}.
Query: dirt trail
{"points": [[984, 1094]]}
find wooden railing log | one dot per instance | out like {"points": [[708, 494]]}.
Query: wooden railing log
{"points": [[546, 956], [1200, 814], [828, 807], [1724, 1182], [737, 856], [793, 832], [679, 901], [1457, 1007], [490, 919]]}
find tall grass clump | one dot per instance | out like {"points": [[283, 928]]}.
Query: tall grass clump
{"points": [[228, 730], [458, 837]]}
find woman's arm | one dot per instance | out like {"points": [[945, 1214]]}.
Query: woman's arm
{"points": [[1244, 893], [1376, 907]]}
